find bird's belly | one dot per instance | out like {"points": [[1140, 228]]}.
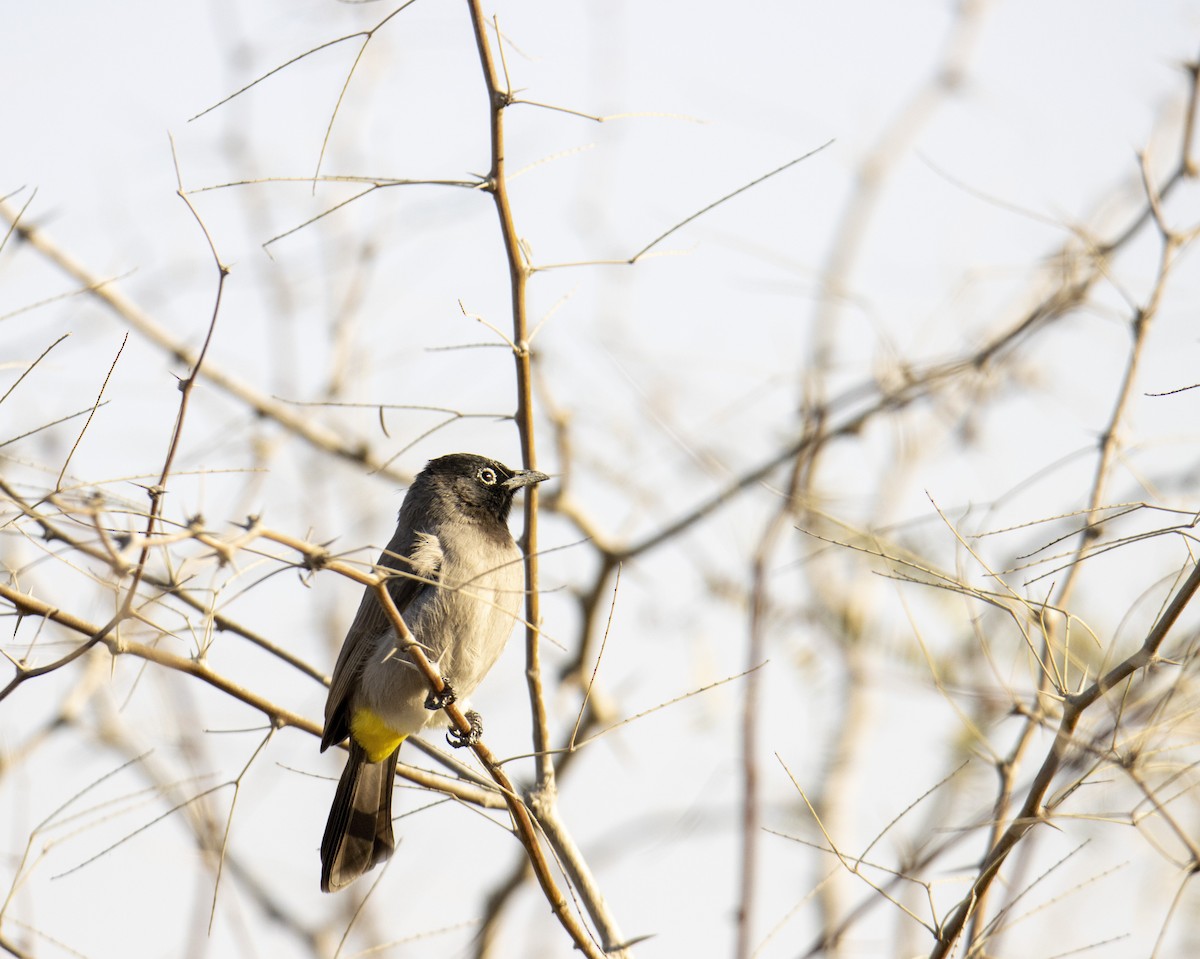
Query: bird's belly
{"points": [[462, 627]]}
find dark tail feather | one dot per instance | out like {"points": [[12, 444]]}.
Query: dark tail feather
{"points": [[358, 834]]}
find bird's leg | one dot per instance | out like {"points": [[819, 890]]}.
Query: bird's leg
{"points": [[441, 698], [459, 740]]}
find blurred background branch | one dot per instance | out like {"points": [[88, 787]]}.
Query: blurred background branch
{"points": [[888, 454]]}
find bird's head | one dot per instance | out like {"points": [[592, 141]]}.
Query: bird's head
{"points": [[474, 485]]}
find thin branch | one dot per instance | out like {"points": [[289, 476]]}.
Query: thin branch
{"points": [[301, 56], [1030, 813], [728, 196], [261, 404], [30, 368], [95, 406]]}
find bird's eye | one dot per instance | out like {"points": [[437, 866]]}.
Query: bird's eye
{"points": [[487, 476]]}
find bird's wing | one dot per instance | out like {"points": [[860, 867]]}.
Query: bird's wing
{"points": [[417, 557]]}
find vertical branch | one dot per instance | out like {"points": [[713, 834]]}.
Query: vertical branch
{"points": [[1109, 446], [752, 702], [850, 231], [543, 800], [187, 385], [752, 706], [499, 97], [849, 236]]}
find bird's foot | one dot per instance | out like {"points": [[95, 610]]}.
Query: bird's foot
{"points": [[442, 698], [459, 739]]}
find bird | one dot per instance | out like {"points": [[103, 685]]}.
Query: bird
{"points": [[457, 579]]}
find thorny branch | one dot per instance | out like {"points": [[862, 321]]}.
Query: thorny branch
{"points": [[1068, 687], [1002, 840], [544, 797]]}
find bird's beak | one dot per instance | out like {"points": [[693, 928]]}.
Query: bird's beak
{"points": [[524, 478]]}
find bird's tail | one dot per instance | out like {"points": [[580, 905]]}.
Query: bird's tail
{"points": [[358, 834]]}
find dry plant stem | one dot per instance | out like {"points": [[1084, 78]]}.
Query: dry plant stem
{"points": [[315, 557], [751, 705], [918, 383], [499, 899], [846, 415], [1108, 449], [95, 406], [52, 531], [914, 385], [834, 793], [1074, 706], [186, 387], [1006, 771], [544, 794], [1109, 444], [571, 861], [29, 369], [301, 425], [499, 98], [27, 605], [111, 732], [155, 492], [490, 941], [13, 949], [1110, 438], [872, 173]]}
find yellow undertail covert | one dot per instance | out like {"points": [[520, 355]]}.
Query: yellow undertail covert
{"points": [[375, 736]]}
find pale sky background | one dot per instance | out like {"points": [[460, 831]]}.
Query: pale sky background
{"points": [[679, 373]]}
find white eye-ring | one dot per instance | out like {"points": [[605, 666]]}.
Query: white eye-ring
{"points": [[487, 476]]}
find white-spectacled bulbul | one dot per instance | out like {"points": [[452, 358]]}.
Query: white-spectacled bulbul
{"points": [[458, 584]]}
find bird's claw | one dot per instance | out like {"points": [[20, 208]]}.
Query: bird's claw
{"points": [[441, 698], [460, 739]]}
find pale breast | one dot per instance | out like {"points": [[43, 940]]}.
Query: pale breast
{"points": [[473, 613], [462, 624]]}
